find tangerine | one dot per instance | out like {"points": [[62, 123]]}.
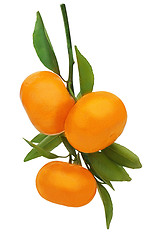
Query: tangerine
{"points": [[95, 121], [46, 101], [66, 184]]}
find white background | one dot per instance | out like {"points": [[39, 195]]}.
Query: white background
{"points": [[121, 40]]}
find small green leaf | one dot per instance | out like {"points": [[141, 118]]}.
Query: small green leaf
{"points": [[43, 152], [107, 202], [39, 138], [122, 156], [70, 149], [43, 46], [86, 76], [106, 168], [48, 144]]}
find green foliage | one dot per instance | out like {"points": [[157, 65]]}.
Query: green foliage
{"points": [[107, 202], [122, 156], [86, 76], [97, 176], [43, 46], [43, 152], [38, 138], [106, 168], [48, 144]]}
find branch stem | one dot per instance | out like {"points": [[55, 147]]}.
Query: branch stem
{"points": [[70, 52]]}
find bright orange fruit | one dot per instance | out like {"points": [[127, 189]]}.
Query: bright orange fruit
{"points": [[66, 184], [95, 121], [46, 101]]}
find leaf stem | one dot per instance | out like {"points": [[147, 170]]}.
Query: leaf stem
{"points": [[70, 52]]}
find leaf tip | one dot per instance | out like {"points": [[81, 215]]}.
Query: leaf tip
{"points": [[108, 224], [113, 188], [26, 159], [25, 140], [129, 178], [139, 165], [38, 14]]}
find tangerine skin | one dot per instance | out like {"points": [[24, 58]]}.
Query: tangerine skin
{"points": [[95, 121], [46, 101], [66, 184]]}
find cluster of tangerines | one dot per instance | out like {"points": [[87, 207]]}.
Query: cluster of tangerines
{"points": [[91, 124], [88, 125]]}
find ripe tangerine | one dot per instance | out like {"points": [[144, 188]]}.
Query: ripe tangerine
{"points": [[46, 101], [66, 184], [95, 121]]}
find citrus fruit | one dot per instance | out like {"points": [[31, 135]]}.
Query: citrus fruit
{"points": [[95, 121], [46, 101], [66, 184]]}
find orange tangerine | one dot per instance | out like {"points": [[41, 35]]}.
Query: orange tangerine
{"points": [[46, 101], [95, 121], [66, 184]]}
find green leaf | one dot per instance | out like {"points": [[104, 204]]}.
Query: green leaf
{"points": [[107, 202], [106, 168], [86, 76], [122, 156], [70, 149], [48, 144], [43, 46], [96, 175], [43, 152], [39, 138]]}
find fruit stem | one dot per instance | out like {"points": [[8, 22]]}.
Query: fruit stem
{"points": [[78, 160], [70, 52], [70, 158]]}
